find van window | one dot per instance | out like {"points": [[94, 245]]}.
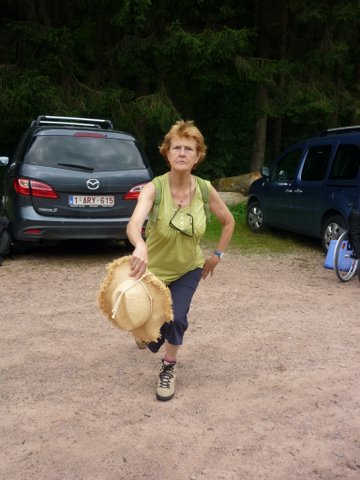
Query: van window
{"points": [[286, 167], [95, 154], [316, 163], [346, 163]]}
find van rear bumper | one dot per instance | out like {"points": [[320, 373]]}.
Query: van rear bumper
{"points": [[43, 228]]}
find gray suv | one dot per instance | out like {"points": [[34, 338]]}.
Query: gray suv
{"points": [[72, 178]]}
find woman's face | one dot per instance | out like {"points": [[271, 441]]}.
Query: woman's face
{"points": [[183, 154]]}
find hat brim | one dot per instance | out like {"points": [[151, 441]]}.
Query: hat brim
{"points": [[117, 271]]}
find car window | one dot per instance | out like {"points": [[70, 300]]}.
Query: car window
{"points": [[95, 154], [316, 163], [285, 168], [346, 163]]}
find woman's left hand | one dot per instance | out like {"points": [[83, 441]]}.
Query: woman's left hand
{"points": [[209, 266]]}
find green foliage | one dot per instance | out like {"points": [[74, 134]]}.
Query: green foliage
{"points": [[34, 35], [157, 109], [146, 63], [133, 13]]}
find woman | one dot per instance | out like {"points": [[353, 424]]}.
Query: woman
{"points": [[172, 250]]}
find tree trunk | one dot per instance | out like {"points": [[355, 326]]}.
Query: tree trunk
{"points": [[276, 139], [259, 145], [262, 51], [275, 143], [355, 120]]}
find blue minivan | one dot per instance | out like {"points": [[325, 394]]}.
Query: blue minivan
{"points": [[310, 188]]}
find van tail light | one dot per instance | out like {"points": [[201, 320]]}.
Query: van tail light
{"points": [[34, 188], [33, 231], [134, 192]]}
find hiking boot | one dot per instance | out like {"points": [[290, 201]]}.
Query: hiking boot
{"points": [[166, 385], [140, 344]]}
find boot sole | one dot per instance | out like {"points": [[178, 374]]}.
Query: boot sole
{"points": [[164, 399]]}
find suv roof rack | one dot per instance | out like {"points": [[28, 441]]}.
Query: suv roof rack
{"points": [[339, 130], [74, 121]]}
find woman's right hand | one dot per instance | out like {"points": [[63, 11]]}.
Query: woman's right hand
{"points": [[139, 261]]}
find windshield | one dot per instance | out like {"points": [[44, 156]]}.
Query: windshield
{"points": [[86, 153]]}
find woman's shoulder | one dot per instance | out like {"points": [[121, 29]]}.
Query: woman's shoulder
{"points": [[203, 184], [160, 181], [161, 178], [202, 180]]}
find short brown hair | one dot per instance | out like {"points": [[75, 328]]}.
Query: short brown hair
{"points": [[184, 128]]}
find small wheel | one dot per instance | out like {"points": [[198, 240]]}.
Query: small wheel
{"points": [[345, 264], [255, 217], [332, 229]]}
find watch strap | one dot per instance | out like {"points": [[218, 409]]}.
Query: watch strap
{"points": [[219, 254]]}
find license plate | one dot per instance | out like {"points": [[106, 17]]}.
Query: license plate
{"points": [[106, 201]]}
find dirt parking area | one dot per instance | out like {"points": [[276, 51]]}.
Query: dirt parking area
{"points": [[267, 381]]}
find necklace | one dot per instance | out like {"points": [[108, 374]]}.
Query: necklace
{"points": [[181, 200]]}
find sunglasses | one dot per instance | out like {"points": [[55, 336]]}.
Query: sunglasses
{"points": [[183, 224]]}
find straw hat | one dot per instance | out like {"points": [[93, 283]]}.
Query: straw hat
{"points": [[138, 306]]}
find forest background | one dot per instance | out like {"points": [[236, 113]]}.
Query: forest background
{"points": [[255, 76]]}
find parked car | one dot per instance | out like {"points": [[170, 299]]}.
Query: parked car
{"points": [[310, 187], [72, 178]]}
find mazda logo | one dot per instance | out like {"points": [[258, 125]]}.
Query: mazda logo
{"points": [[93, 184]]}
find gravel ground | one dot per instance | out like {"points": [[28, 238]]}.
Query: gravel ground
{"points": [[267, 381]]}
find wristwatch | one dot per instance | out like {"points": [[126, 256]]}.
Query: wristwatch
{"points": [[219, 254]]}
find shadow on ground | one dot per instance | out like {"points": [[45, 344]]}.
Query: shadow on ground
{"points": [[76, 249]]}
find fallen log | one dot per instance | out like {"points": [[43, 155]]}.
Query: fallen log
{"points": [[239, 183]]}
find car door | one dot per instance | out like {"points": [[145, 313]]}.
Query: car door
{"points": [[279, 188], [342, 186], [308, 187]]}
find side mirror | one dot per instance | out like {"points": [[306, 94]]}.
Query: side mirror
{"points": [[4, 161], [265, 172]]}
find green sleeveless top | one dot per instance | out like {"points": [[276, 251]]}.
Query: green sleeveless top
{"points": [[171, 253]]}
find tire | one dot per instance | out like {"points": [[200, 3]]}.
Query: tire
{"points": [[19, 247], [332, 228], [255, 218], [345, 265]]}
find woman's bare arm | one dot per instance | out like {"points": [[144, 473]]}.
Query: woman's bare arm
{"points": [[134, 230]]}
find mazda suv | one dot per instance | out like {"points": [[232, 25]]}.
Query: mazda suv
{"points": [[72, 178]]}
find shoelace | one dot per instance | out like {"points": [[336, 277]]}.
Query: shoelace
{"points": [[166, 376]]}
